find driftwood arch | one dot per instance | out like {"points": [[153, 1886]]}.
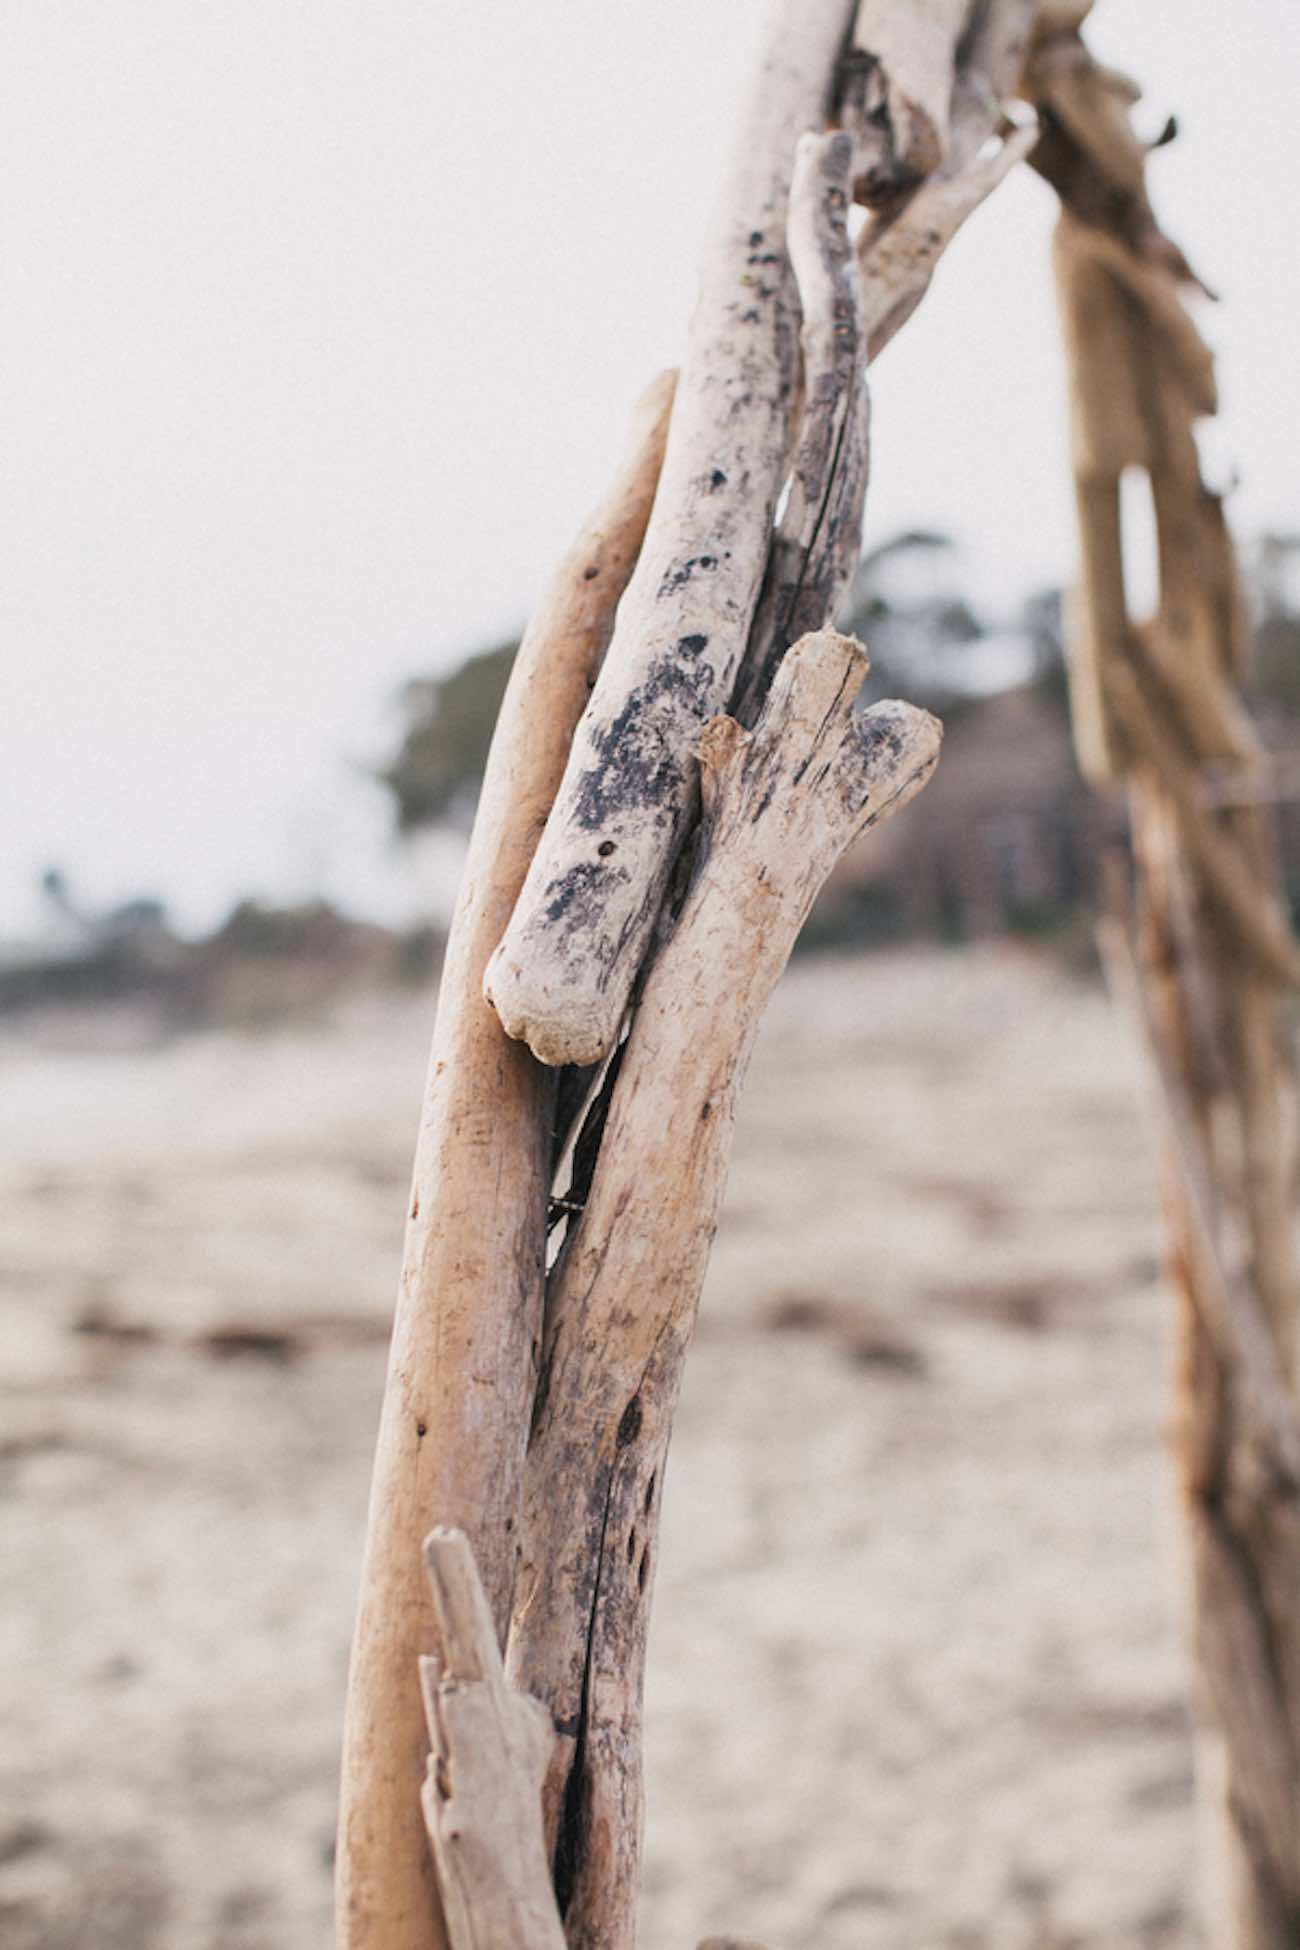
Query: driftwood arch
{"points": [[677, 767]]}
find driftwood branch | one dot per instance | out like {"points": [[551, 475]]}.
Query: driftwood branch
{"points": [[901, 245], [565, 968], [463, 1358], [899, 257], [899, 91], [781, 805], [488, 1749], [924, 100]]}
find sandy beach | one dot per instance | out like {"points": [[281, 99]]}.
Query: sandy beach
{"points": [[916, 1666]]}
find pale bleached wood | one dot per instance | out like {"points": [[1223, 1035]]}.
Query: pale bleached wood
{"points": [[899, 257], [565, 968], [907, 56], [780, 806], [901, 246], [564, 971], [488, 1751], [999, 39], [463, 1356]]}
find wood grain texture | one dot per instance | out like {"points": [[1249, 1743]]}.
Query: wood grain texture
{"points": [[815, 546]]}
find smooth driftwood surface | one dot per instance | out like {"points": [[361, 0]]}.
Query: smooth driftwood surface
{"points": [[780, 806], [463, 1358], [563, 973], [488, 1749]]}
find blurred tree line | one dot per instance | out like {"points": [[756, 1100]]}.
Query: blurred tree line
{"points": [[264, 963], [1005, 839]]}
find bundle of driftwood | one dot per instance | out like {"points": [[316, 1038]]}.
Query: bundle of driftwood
{"points": [[678, 765], [1206, 955]]}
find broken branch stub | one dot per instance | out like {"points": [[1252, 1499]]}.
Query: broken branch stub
{"points": [[900, 90], [561, 978], [780, 807], [488, 1749]]}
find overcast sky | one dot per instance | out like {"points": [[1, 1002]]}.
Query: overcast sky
{"points": [[321, 321]]}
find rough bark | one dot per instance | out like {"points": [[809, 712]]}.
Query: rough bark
{"points": [[565, 968], [463, 1358], [780, 805], [1156, 704], [816, 543]]}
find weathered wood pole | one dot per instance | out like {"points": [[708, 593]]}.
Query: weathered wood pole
{"points": [[463, 1360], [673, 870], [1156, 704]]}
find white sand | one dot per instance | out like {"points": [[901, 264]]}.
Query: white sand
{"points": [[916, 1676]]}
